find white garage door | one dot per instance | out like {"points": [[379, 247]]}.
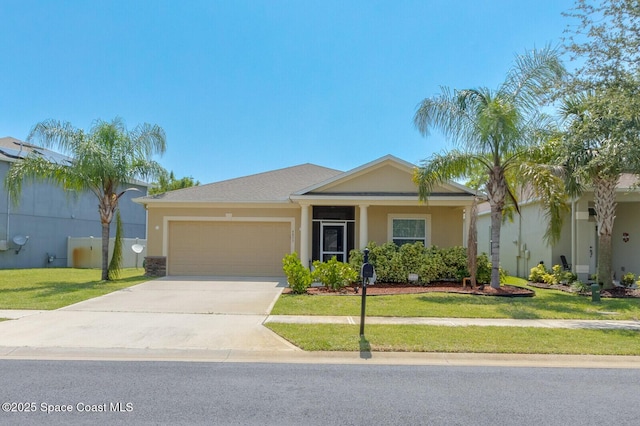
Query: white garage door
{"points": [[228, 248]]}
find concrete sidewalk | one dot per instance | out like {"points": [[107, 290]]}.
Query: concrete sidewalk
{"points": [[460, 322]]}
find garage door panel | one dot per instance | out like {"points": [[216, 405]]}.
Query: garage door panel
{"points": [[228, 248]]}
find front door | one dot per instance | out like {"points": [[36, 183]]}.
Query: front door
{"points": [[332, 241]]}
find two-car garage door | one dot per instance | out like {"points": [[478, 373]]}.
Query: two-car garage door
{"points": [[228, 247]]}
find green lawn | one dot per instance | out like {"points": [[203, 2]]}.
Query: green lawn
{"points": [[53, 288], [546, 304], [472, 339]]}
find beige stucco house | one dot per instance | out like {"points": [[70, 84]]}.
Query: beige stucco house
{"points": [[522, 246], [245, 226]]}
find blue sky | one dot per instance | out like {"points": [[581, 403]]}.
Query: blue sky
{"points": [[243, 87]]}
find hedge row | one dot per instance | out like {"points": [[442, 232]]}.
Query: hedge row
{"points": [[393, 264]]}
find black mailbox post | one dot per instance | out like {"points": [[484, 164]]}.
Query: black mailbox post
{"points": [[367, 272]]}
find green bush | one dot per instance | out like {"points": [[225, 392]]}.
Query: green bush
{"points": [[382, 258], [537, 273], [580, 287], [298, 277], [483, 274], [549, 278], [628, 279], [333, 274], [393, 264], [455, 262]]}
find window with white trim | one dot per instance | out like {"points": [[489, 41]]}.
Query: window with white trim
{"points": [[405, 229]]}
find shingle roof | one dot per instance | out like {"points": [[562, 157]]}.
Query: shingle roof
{"points": [[272, 186], [12, 149]]}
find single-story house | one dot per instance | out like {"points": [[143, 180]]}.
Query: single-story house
{"points": [[522, 246], [245, 226], [35, 232]]}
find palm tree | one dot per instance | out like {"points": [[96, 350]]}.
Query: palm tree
{"points": [[102, 161], [601, 142], [499, 132]]}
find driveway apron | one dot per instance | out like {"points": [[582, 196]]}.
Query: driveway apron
{"points": [[169, 313]]}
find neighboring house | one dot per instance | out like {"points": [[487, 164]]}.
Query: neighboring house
{"points": [[245, 226], [48, 215], [522, 246]]}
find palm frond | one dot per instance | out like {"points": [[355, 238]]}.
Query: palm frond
{"points": [[548, 186], [445, 113], [441, 168], [533, 75]]}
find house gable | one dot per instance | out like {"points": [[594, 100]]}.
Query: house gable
{"points": [[388, 176]]}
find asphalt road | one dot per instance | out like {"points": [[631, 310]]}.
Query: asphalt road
{"points": [[90, 392]]}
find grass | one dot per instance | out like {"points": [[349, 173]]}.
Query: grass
{"points": [[471, 339], [53, 288], [546, 304]]}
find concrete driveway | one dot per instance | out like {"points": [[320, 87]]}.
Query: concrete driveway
{"points": [[170, 313]]}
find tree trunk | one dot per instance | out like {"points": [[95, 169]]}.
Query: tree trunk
{"points": [[108, 204], [472, 242], [497, 191], [496, 223], [605, 206]]}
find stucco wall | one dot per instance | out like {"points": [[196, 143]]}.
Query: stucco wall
{"points": [[48, 215], [521, 243], [156, 220], [446, 223], [387, 179], [626, 254]]}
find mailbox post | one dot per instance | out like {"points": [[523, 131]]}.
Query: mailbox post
{"points": [[366, 273]]}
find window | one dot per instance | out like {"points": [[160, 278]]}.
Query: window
{"points": [[409, 229]]}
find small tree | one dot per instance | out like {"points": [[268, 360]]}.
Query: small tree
{"points": [[168, 182], [116, 258]]}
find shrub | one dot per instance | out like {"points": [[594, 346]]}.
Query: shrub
{"points": [[334, 274], [628, 279], [393, 264], [455, 262], [298, 277], [537, 273], [483, 272], [549, 278], [430, 270], [581, 287], [382, 258]]}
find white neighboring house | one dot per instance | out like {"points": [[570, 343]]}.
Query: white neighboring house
{"points": [[522, 245]]}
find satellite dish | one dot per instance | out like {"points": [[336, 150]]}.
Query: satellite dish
{"points": [[137, 248], [20, 241]]}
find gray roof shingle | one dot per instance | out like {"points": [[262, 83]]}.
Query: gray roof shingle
{"points": [[272, 186]]}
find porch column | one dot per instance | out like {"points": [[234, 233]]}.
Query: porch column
{"points": [[364, 226], [304, 234], [466, 222]]}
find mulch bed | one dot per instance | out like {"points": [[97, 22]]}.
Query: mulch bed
{"points": [[379, 289]]}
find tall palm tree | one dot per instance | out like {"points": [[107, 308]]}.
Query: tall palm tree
{"points": [[102, 161], [601, 141], [499, 132]]}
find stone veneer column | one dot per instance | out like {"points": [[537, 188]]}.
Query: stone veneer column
{"points": [[155, 266]]}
